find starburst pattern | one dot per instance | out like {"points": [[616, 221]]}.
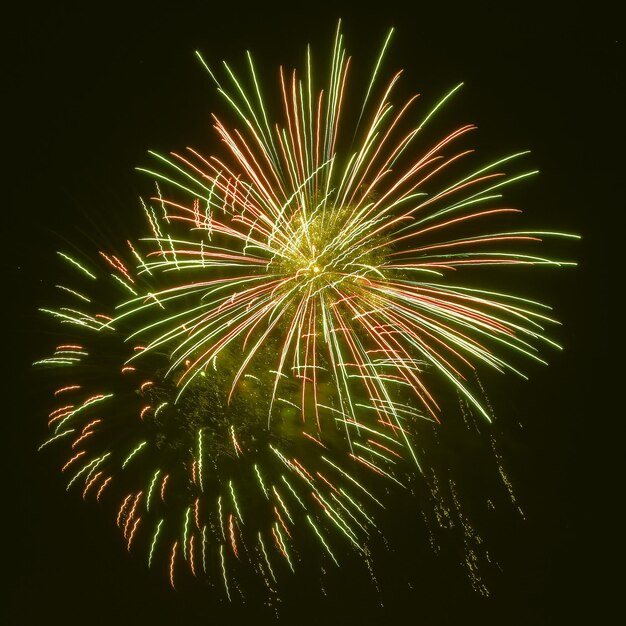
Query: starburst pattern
{"points": [[280, 327]]}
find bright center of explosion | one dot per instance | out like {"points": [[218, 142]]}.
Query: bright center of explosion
{"points": [[327, 245]]}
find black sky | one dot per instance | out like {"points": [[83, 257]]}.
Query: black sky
{"points": [[90, 87]]}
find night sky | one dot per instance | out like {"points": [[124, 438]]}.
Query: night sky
{"points": [[92, 87]]}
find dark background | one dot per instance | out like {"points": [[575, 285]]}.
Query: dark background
{"points": [[89, 87]]}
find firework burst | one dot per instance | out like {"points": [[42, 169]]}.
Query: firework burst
{"points": [[341, 256], [203, 484], [273, 344]]}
